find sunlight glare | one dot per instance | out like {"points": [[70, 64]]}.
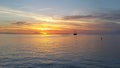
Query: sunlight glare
{"points": [[44, 33]]}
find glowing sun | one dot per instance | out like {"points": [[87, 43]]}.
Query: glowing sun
{"points": [[44, 33]]}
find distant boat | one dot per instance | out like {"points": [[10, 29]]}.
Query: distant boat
{"points": [[74, 33], [101, 38]]}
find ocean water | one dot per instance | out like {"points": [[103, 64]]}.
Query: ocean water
{"points": [[59, 51]]}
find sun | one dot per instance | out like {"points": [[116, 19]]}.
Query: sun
{"points": [[44, 33]]}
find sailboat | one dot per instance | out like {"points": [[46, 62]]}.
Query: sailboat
{"points": [[75, 33]]}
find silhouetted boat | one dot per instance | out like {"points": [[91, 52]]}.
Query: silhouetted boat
{"points": [[75, 34]]}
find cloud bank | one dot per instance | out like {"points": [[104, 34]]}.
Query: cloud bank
{"points": [[107, 22]]}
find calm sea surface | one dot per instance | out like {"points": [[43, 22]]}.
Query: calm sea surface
{"points": [[59, 51]]}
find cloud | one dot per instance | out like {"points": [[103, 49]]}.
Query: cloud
{"points": [[104, 22], [111, 16], [104, 26], [35, 8], [108, 22], [34, 16], [20, 23], [44, 9], [75, 17], [38, 17]]}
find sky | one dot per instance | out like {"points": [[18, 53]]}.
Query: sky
{"points": [[60, 16]]}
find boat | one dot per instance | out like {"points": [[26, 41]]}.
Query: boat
{"points": [[101, 38], [74, 33]]}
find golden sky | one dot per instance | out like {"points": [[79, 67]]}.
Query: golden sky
{"points": [[50, 17]]}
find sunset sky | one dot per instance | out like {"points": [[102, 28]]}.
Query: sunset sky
{"points": [[60, 16]]}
